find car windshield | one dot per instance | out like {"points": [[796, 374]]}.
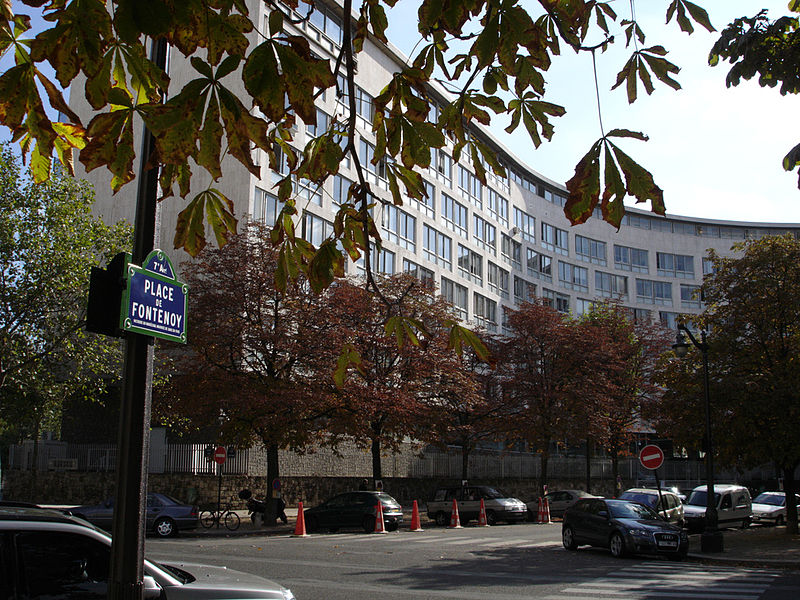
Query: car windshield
{"points": [[700, 498], [493, 493], [630, 510], [773, 499], [387, 499], [647, 499]]}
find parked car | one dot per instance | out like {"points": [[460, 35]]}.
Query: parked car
{"points": [[666, 503], [54, 555], [354, 509], [770, 507], [499, 505], [622, 526], [558, 501], [733, 506], [164, 515]]}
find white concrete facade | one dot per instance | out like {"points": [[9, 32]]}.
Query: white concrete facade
{"points": [[484, 246]]}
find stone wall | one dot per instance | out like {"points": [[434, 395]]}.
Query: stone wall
{"points": [[72, 488]]}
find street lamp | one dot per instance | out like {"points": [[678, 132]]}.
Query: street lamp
{"points": [[711, 538]]}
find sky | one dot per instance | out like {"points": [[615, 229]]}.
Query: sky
{"points": [[716, 152]]}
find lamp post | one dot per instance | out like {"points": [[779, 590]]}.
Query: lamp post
{"points": [[711, 538]]}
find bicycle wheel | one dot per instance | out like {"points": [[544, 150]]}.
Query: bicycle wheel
{"points": [[231, 520], [207, 518]]}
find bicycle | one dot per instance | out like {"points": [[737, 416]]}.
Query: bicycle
{"points": [[226, 516]]}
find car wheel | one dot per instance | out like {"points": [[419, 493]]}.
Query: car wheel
{"points": [[368, 523], [392, 526], [779, 521], [312, 524], [164, 527], [442, 519], [491, 518], [568, 538], [617, 545]]}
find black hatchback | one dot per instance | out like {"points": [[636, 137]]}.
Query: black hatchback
{"points": [[354, 509], [622, 526]]}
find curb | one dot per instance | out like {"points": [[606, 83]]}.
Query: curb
{"points": [[765, 563]]}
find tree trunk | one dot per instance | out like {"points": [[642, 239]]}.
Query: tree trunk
{"points": [[790, 489], [377, 475], [272, 474], [588, 466], [465, 451], [37, 432], [615, 471], [545, 456]]}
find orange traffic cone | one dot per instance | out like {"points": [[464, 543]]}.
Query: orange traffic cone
{"points": [[546, 511], [379, 528], [540, 516], [455, 522], [482, 522], [415, 524], [300, 526]]}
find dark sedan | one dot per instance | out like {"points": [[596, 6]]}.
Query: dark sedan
{"points": [[164, 515], [622, 526], [354, 509]]}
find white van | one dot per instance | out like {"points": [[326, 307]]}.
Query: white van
{"points": [[734, 506]]}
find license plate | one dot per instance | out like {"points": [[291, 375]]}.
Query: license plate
{"points": [[667, 544]]}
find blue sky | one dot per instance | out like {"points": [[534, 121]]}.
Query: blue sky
{"points": [[716, 152]]}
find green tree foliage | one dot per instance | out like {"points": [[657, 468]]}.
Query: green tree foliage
{"points": [[768, 50], [49, 240], [493, 55], [752, 311]]}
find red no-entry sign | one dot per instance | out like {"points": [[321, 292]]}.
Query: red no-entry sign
{"points": [[220, 455], [651, 457]]}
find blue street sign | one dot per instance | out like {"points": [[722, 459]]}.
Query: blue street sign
{"points": [[155, 302]]}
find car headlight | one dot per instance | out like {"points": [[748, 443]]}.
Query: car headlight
{"points": [[639, 532], [288, 595]]}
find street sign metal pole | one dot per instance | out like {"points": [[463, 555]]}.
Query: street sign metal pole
{"points": [[127, 546]]}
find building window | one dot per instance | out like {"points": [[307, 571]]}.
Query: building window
{"points": [[341, 188], [426, 205], [708, 266], [316, 229], [526, 224], [555, 239], [583, 306], [382, 261], [456, 295], [511, 251], [497, 206], [555, 198], [636, 221], [265, 207], [365, 104], [558, 301], [308, 191], [631, 259], [609, 285], [484, 234], [417, 271], [641, 315], [524, 290], [322, 20], [366, 154], [675, 265], [437, 247], [399, 227], [539, 265], [323, 120], [454, 215], [668, 319], [470, 264], [573, 277], [497, 279], [590, 250], [690, 296], [654, 292], [485, 311], [470, 186], [442, 166]]}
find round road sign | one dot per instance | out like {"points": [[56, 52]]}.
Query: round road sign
{"points": [[651, 457], [220, 455]]}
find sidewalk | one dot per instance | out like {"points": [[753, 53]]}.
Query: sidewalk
{"points": [[755, 546]]}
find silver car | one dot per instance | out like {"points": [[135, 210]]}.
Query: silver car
{"points": [[770, 507], [59, 556], [558, 501], [667, 504]]}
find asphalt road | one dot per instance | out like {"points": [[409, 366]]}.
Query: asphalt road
{"points": [[506, 562]]}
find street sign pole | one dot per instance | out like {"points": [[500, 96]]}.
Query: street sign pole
{"points": [[127, 545]]}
